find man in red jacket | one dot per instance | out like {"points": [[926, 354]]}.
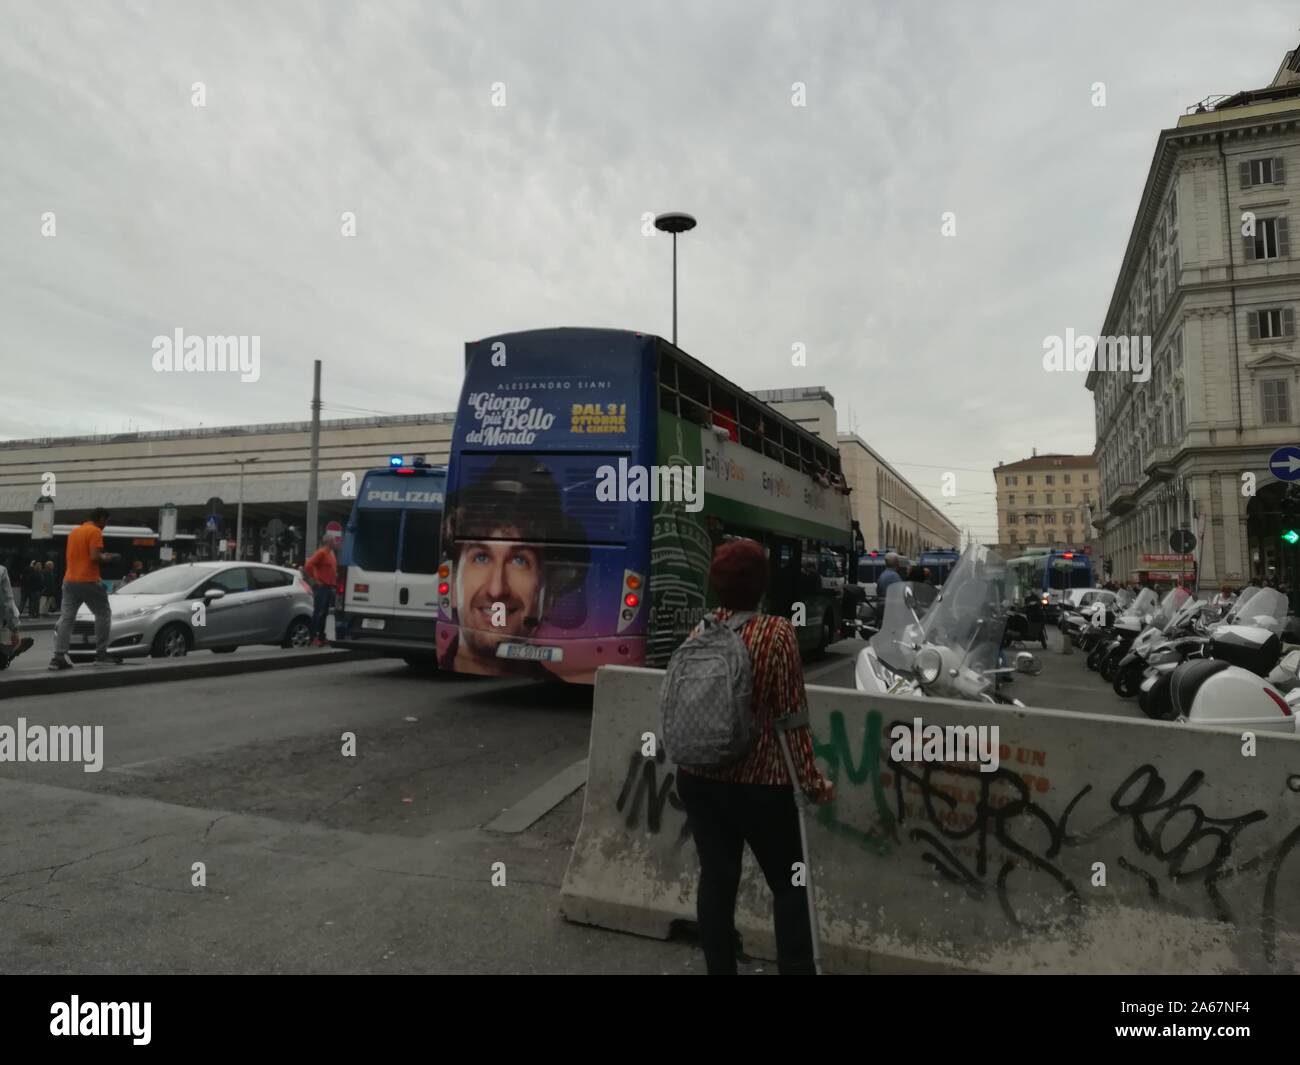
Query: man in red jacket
{"points": [[322, 571]]}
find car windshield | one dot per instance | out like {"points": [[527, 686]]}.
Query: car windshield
{"points": [[163, 581]]}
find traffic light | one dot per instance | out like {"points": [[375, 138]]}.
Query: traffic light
{"points": [[1291, 515]]}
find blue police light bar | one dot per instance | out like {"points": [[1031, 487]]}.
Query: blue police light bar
{"points": [[394, 460]]}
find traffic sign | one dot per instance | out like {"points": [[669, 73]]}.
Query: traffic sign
{"points": [[1291, 536], [334, 529], [1284, 463], [213, 523], [1182, 540]]}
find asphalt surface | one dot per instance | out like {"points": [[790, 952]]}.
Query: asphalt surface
{"points": [[314, 859]]}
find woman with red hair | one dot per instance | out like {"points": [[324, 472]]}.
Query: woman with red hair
{"points": [[752, 801]]}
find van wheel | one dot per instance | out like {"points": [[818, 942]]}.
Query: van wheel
{"points": [[173, 641], [299, 634]]}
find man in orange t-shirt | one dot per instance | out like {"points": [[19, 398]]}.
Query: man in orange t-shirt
{"points": [[81, 584], [322, 570]]}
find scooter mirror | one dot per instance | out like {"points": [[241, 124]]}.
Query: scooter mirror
{"points": [[1027, 663]]}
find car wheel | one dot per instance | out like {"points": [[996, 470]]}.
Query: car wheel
{"points": [[828, 633], [223, 650], [299, 634], [172, 641]]}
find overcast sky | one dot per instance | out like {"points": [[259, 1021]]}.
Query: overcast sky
{"points": [[819, 224]]}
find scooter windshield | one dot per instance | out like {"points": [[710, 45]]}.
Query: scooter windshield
{"points": [[900, 635], [1266, 604], [1236, 610], [1143, 603], [1191, 606], [968, 615], [1169, 606]]}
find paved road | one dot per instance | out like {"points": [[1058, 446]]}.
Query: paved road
{"points": [[316, 861]]}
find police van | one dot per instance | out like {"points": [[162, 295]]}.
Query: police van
{"points": [[388, 566]]}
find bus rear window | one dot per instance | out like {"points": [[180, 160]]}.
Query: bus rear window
{"points": [[374, 543], [420, 541], [543, 498]]}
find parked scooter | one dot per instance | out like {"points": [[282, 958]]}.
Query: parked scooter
{"points": [[953, 651], [1129, 671], [1188, 636], [1027, 622], [1108, 653], [1227, 688]]}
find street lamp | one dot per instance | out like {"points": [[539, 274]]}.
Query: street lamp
{"points": [[674, 222], [239, 512]]}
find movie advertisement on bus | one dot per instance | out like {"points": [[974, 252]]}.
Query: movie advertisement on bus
{"points": [[546, 552]]}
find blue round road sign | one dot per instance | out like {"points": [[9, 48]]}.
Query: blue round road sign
{"points": [[1284, 463]]}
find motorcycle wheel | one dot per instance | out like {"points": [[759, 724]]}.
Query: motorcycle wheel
{"points": [[1109, 664], [1094, 658], [1128, 680], [1157, 703]]}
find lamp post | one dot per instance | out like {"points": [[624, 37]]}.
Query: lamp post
{"points": [[239, 512], [674, 222]]}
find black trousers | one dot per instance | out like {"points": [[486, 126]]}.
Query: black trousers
{"points": [[724, 817]]}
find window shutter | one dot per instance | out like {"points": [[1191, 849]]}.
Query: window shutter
{"points": [[1245, 175], [1288, 321], [1283, 239], [1248, 248], [1252, 323], [1279, 175]]}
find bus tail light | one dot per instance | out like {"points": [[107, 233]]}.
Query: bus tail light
{"points": [[633, 599], [341, 583], [444, 590]]}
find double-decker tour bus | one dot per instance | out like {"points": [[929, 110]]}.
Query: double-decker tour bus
{"points": [[592, 473]]}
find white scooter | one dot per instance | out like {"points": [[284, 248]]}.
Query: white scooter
{"points": [[1228, 688], [952, 652]]}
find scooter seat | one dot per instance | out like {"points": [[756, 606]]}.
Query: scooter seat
{"points": [[1188, 679]]}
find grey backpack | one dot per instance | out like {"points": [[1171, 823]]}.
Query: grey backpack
{"points": [[706, 715]]}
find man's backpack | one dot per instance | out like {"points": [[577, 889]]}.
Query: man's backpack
{"points": [[706, 715]]}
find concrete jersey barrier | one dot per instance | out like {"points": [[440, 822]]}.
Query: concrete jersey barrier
{"points": [[1097, 844]]}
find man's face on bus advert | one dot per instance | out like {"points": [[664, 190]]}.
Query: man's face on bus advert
{"points": [[499, 583]]}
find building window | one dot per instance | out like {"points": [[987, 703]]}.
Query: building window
{"points": [[1033, 536], [1029, 478], [1049, 497], [1067, 496], [1271, 324], [1085, 478], [1271, 240], [1011, 501], [1012, 519], [1269, 171], [1049, 479], [1276, 401], [1031, 497], [1069, 536], [1067, 478], [1067, 518]]}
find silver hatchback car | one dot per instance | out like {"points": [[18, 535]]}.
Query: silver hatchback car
{"points": [[216, 606]]}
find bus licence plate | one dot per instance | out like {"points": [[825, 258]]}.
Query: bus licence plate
{"points": [[372, 623], [529, 653]]}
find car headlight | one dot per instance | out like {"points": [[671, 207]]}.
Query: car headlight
{"points": [[929, 664], [138, 612]]}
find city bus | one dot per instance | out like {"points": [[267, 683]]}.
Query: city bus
{"points": [[871, 564], [130, 543], [387, 594], [1049, 573], [939, 562], [592, 472]]}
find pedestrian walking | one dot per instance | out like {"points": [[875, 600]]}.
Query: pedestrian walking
{"points": [[51, 589], [12, 641], [322, 572], [83, 584], [751, 801], [33, 582]]}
